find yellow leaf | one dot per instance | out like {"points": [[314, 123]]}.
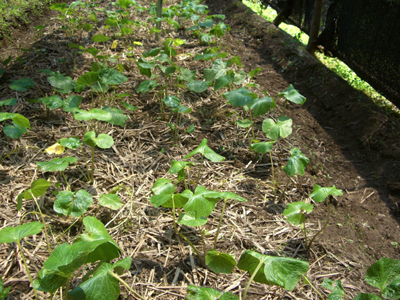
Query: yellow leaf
{"points": [[114, 44], [138, 43], [55, 149]]}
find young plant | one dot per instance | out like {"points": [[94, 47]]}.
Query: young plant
{"points": [[204, 293], [16, 234], [19, 127], [57, 164], [179, 167], [281, 271], [175, 103], [3, 292], [292, 95]]}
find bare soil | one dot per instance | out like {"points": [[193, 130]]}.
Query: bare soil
{"points": [[351, 143]]}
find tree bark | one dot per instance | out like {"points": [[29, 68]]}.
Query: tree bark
{"points": [[315, 25], [285, 13]]}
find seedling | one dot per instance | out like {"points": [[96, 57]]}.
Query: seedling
{"points": [[203, 293], [16, 234], [19, 127], [175, 104], [292, 95], [57, 164], [179, 167], [72, 203]]}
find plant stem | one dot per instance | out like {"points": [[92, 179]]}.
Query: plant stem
{"points": [[66, 181], [273, 175], [44, 224], [314, 288], [284, 191], [66, 289], [326, 224], [201, 165], [26, 267], [251, 278], [252, 125], [219, 224], [92, 175], [87, 168], [284, 107], [126, 285]]}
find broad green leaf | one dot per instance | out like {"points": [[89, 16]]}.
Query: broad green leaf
{"points": [[8, 102], [383, 272], [22, 85], [151, 52], [161, 200], [7, 116], [52, 102], [38, 188], [281, 129], [145, 66], [262, 147], [204, 293], [128, 106], [319, 193], [234, 60], [71, 143], [254, 72], [297, 163], [56, 164], [217, 70], [262, 106], [189, 219], [21, 121], [335, 287], [100, 38], [182, 109], [206, 56], [223, 81], [281, 271], [200, 204], [392, 290], [88, 78], [172, 101], [293, 95], [226, 196], [244, 123], [239, 97], [205, 37], [295, 212], [117, 116], [47, 71], [147, 86], [71, 103], [190, 129], [220, 29], [127, 30], [103, 140], [198, 86], [93, 51], [12, 234], [207, 24], [111, 201], [111, 77], [220, 262], [363, 296], [163, 186], [186, 74], [14, 131], [64, 84], [177, 166], [94, 113], [206, 151], [72, 204], [240, 77]]}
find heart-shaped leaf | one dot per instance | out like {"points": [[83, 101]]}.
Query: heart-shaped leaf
{"points": [[22, 85], [147, 86], [72, 204], [64, 84], [71, 143], [203, 293], [293, 95], [56, 164], [220, 262], [319, 193], [111, 201], [295, 212], [239, 97], [151, 52], [336, 288], [38, 188], [71, 103], [198, 86], [88, 78], [281, 129], [103, 140], [223, 81], [200, 204], [244, 123], [14, 131], [17, 119], [177, 166], [52, 102], [382, 274], [281, 271], [110, 76], [8, 102], [128, 106], [297, 163], [206, 151], [189, 219], [99, 38], [262, 106], [218, 69], [12, 234], [93, 114], [117, 116], [172, 101], [262, 147], [186, 74]]}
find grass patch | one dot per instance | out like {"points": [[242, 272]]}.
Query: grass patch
{"points": [[334, 64]]}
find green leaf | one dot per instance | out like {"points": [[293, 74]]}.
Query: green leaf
{"points": [[172, 101], [71, 143], [198, 86], [56, 164], [335, 287], [88, 78], [163, 186], [262, 106], [151, 52], [3, 292], [281, 271], [218, 69], [240, 77], [203, 293], [363, 296], [206, 151], [128, 106], [207, 24], [177, 166], [110, 76], [206, 56], [9, 102], [297, 163], [383, 273], [223, 81], [239, 97], [22, 85], [21, 121], [392, 290], [254, 72], [93, 51], [52, 102], [262, 147], [95, 113], [147, 86], [145, 66], [47, 71], [182, 109], [14, 131], [72, 204], [189, 219], [281, 129], [64, 84], [293, 95], [220, 262], [71, 103], [99, 38], [244, 123], [295, 212], [200, 204], [186, 74], [190, 129], [117, 116], [319, 193], [38, 188], [103, 140], [12, 234], [111, 201]]}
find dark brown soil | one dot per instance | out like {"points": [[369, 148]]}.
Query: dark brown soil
{"points": [[351, 143]]}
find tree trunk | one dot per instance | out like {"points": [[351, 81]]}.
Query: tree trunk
{"points": [[315, 25], [285, 13]]}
